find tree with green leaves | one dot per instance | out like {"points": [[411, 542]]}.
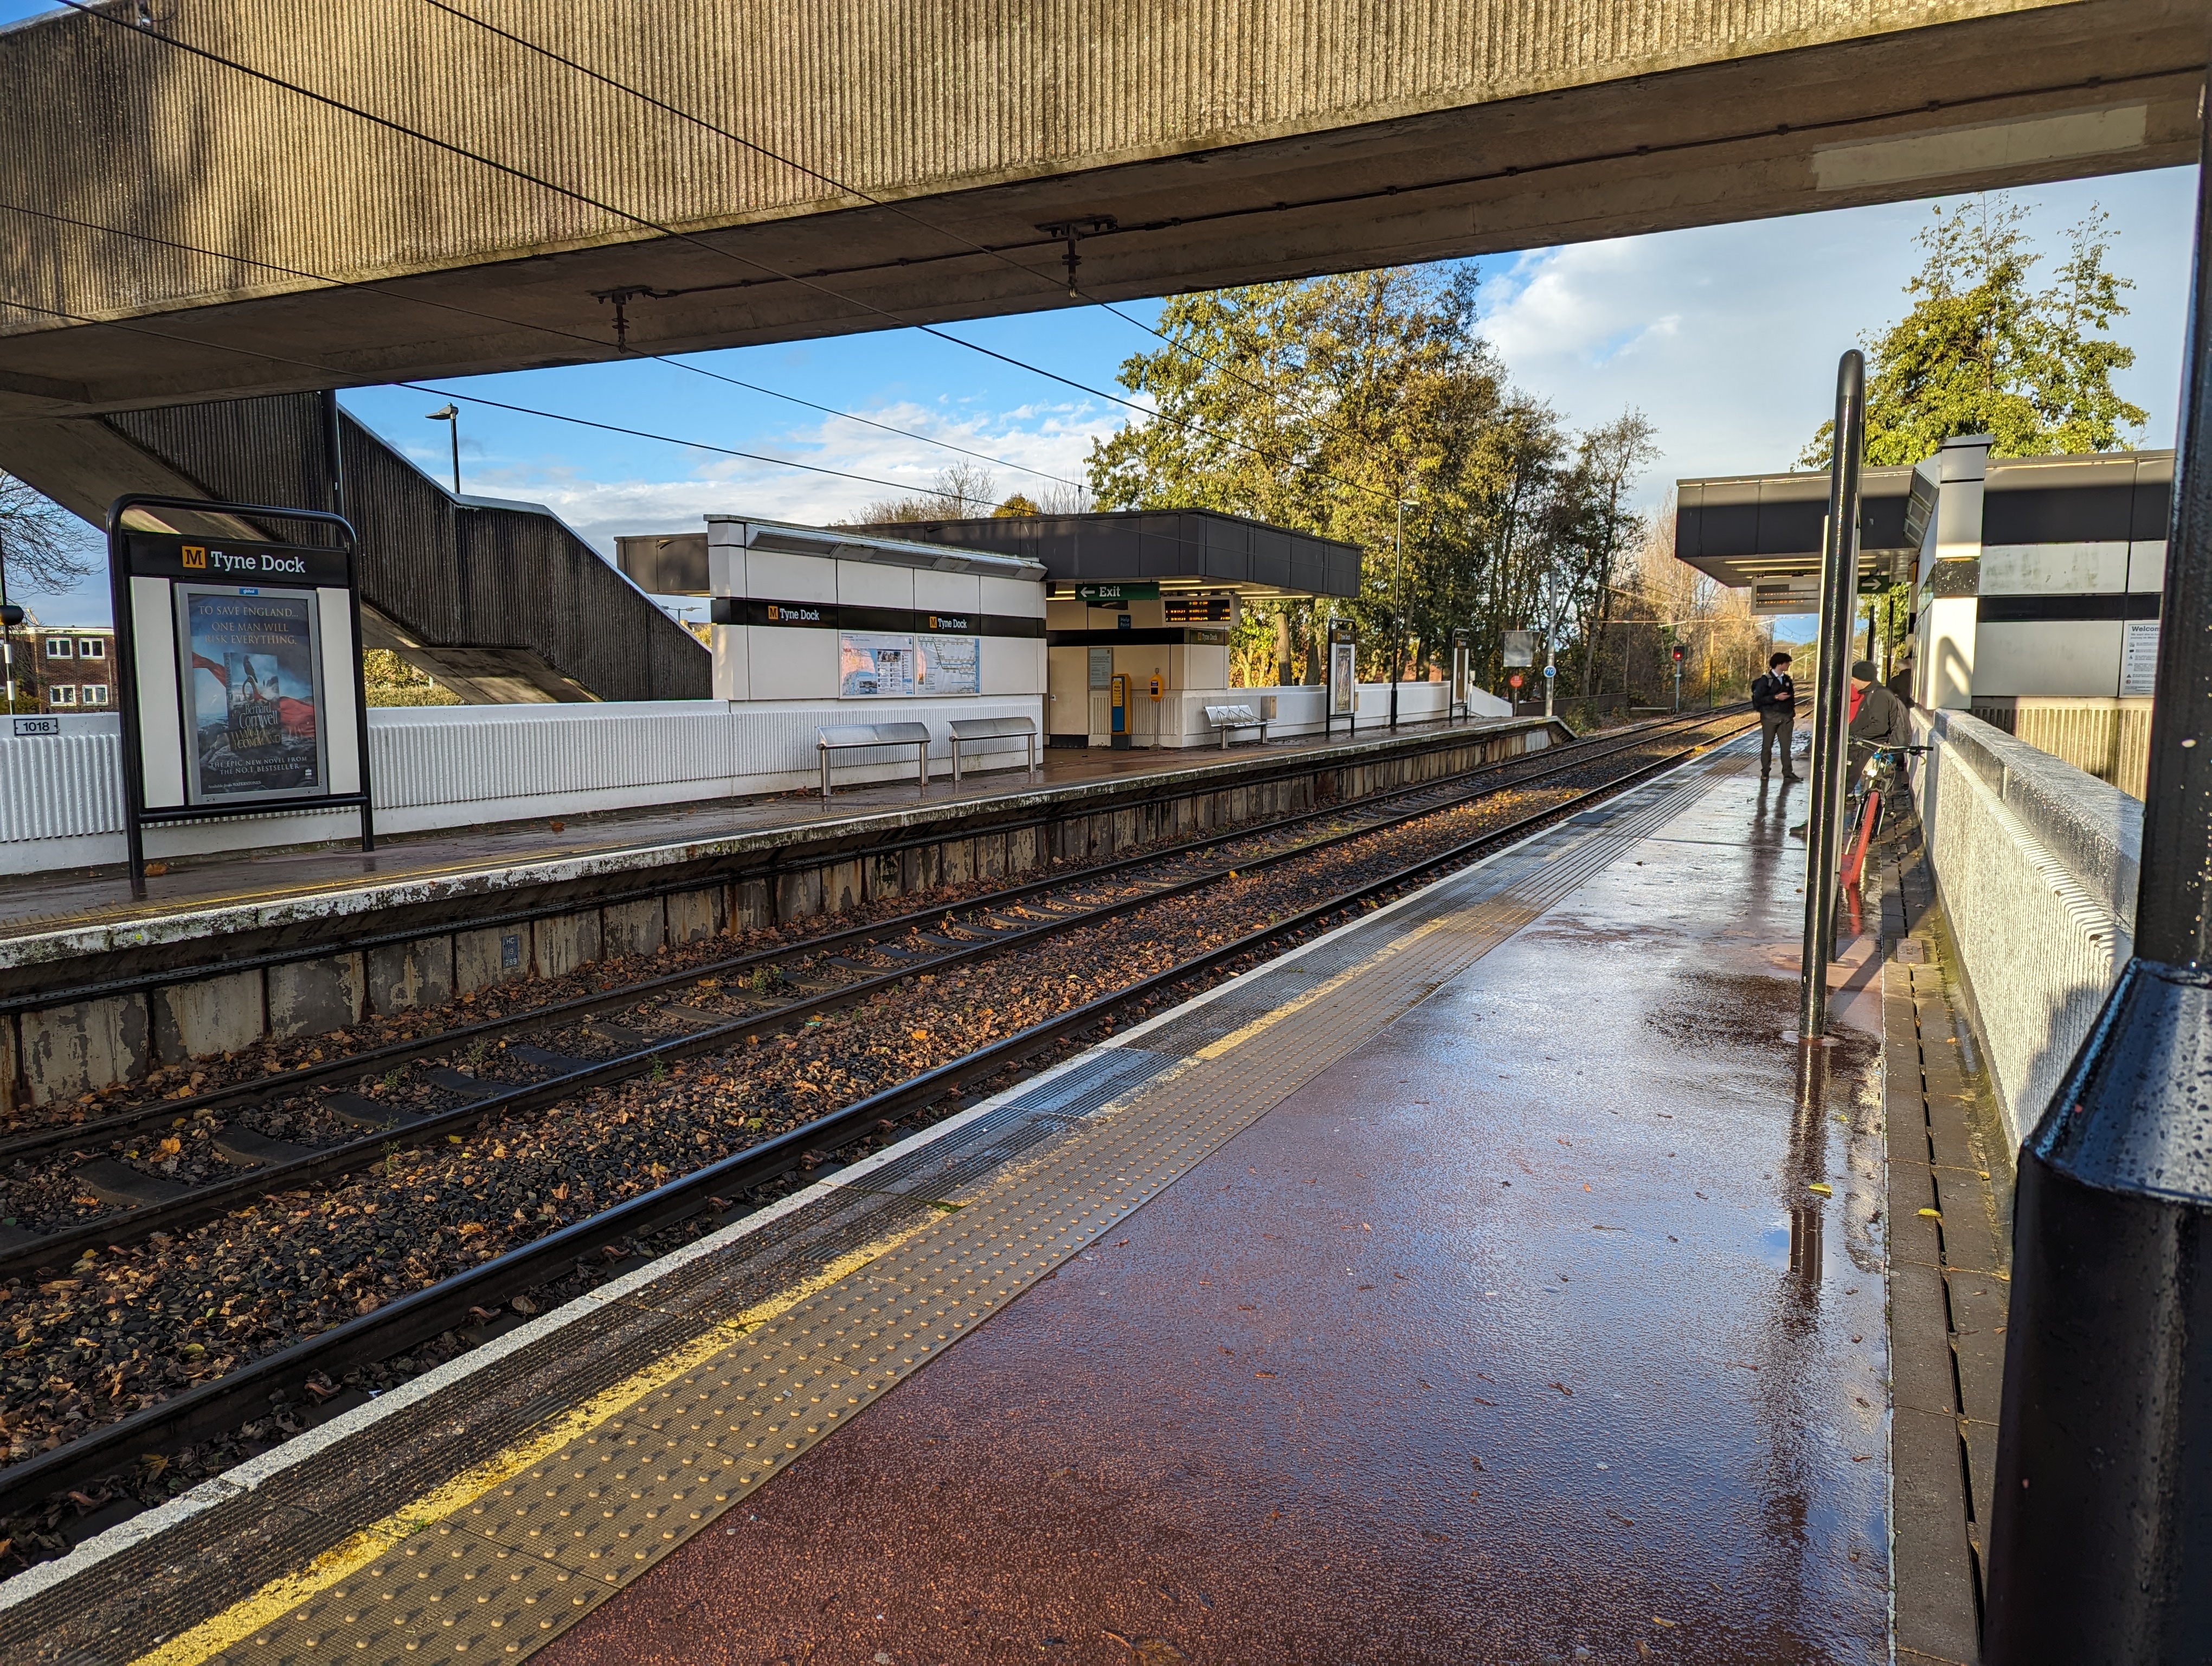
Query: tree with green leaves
{"points": [[1326, 405], [1985, 351]]}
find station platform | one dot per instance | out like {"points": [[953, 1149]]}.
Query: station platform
{"points": [[58, 915], [1493, 1279]]}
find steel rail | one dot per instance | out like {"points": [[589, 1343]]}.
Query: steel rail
{"points": [[170, 1113], [205, 1203], [211, 1407], [1271, 769]]}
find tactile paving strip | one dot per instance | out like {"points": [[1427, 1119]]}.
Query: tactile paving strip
{"points": [[501, 1559]]}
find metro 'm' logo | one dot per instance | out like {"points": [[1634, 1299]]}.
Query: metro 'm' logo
{"points": [[195, 554]]}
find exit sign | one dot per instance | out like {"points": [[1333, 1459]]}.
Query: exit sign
{"points": [[1106, 595]]}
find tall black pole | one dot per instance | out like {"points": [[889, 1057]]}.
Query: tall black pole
{"points": [[2101, 1541], [1397, 614], [1839, 573], [334, 469], [333, 454]]}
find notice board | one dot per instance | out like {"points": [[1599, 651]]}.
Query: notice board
{"points": [[239, 669]]}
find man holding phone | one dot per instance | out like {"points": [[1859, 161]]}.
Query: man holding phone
{"points": [[1774, 697]]}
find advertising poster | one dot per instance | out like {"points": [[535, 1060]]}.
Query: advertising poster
{"points": [[951, 665], [1342, 690], [252, 693], [870, 664]]}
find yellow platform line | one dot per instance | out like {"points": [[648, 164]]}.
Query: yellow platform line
{"points": [[1479, 926], [281, 1595]]}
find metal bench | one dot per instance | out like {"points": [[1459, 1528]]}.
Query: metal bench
{"points": [[968, 730], [854, 736], [1228, 719]]}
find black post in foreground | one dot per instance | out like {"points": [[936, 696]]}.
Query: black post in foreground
{"points": [[1839, 579], [2101, 1542]]}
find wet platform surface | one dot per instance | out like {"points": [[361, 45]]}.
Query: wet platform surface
{"points": [[1516, 1334], [527, 852], [1482, 1281]]}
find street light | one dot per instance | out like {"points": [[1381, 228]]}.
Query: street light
{"points": [[451, 413], [1398, 613]]}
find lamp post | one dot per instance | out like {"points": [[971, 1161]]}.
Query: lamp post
{"points": [[451, 414], [1398, 613]]}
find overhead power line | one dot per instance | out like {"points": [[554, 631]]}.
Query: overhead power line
{"points": [[472, 398], [454, 149], [547, 329], [1075, 291]]}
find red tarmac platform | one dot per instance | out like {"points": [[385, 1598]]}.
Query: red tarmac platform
{"points": [[1517, 1334]]}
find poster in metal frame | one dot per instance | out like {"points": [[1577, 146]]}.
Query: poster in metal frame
{"points": [[250, 663], [220, 565]]}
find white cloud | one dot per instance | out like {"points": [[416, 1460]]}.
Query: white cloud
{"points": [[1726, 336], [1054, 439]]}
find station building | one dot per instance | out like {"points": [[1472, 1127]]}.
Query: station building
{"points": [[2035, 584], [1049, 608]]}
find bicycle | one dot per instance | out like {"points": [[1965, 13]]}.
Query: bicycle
{"points": [[1864, 807]]}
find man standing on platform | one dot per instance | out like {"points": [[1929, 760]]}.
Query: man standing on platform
{"points": [[1774, 697]]}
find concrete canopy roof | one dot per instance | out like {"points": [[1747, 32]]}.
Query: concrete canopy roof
{"points": [[1180, 548]]}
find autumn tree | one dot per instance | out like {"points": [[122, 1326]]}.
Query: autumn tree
{"points": [[1985, 351], [1330, 403]]}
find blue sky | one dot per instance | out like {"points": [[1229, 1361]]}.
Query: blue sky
{"points": [[1726, 336]]}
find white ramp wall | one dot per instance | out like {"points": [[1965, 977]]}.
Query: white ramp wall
{"points": [[2035, 861], [61, 800]]}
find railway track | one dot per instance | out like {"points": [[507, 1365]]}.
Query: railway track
{"points": [[615, 1033], [840, 969]]}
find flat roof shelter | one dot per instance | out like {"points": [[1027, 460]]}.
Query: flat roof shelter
{"points": [[2033, 578], [1762, 533], [1178, 549]]}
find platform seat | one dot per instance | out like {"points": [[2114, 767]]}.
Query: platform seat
{"points": [[970, 731], [855, 737], [1227, 719]]}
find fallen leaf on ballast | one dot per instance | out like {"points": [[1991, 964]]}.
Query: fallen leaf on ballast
{"points": [[1656, 1620], [1822, 1187], [1562, 1387]]}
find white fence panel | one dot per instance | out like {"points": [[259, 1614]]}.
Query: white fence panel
{"points": [[61, 800]]}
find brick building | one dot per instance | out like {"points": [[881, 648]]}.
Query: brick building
{"points": [[67, 668]]}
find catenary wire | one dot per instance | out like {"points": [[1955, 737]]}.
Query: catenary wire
{"points": [[835, 183], [520, 324], [471, 398], [454, 149]]}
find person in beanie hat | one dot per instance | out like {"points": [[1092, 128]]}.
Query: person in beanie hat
{"points": [[1774, 697], [1878, 716]]}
